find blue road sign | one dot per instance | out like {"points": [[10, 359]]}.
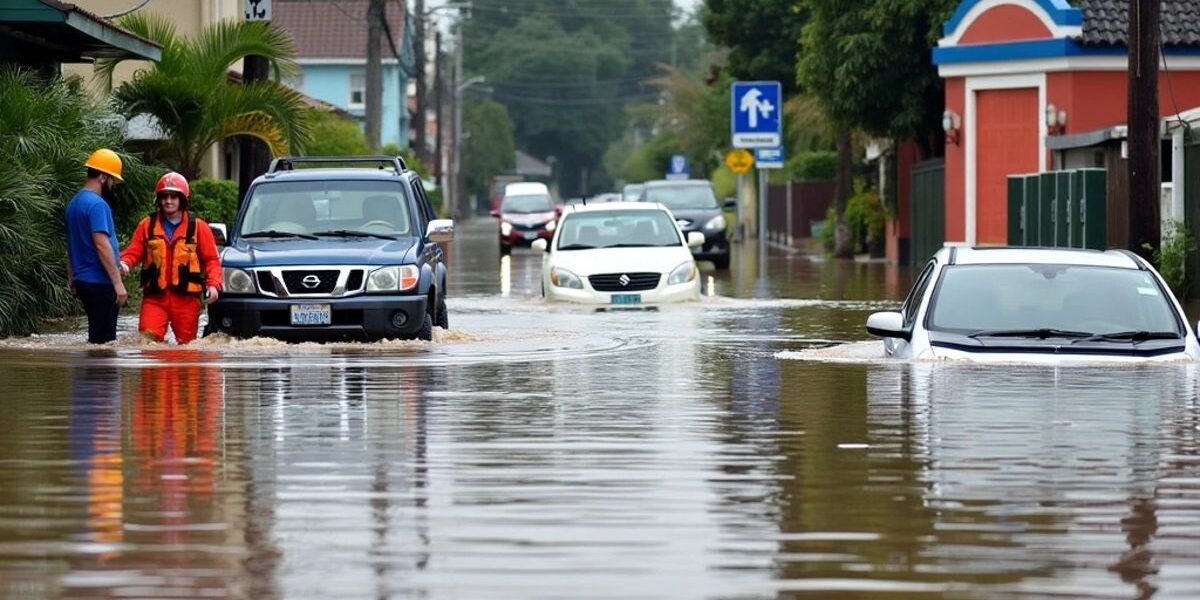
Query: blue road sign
{"points": [[769, 158], [678, 167], [755, 114]]}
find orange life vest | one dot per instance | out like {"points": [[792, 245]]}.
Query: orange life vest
{"points": [[186, 277]]}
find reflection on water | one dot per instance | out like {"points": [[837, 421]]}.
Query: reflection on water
{"points": [[559, 452]]}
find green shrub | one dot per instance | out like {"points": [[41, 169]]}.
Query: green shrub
{"points": [[214, 200], [827, 236], [813, 166], [333, 135], [1171, 258], [865, 215]]}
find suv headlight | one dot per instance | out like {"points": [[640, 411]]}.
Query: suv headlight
{"points": [[505, 228], [716, 223], [237, 281], [563, 278], [393, 279], [683, 273]]}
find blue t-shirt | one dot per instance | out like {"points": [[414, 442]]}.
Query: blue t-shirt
{"points": [[87, 212], [169, 227]]}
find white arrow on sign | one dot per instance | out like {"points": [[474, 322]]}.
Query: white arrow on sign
{"points": [[753, 104]]}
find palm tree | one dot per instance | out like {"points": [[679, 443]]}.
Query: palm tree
{"points": [[189, 94]]}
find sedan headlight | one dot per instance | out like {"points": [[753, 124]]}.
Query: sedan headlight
{"points": [[563, 278], [716, 223], [551, 225], [393, 279], [683, 273], [505, 228], [237, 281]]}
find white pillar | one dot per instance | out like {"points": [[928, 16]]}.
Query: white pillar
{"points": [[1177, 174]]}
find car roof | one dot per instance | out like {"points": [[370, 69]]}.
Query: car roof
{"points": [[346, 174], [614, 206], [677, 182], [526, 187], [1055, 256]]}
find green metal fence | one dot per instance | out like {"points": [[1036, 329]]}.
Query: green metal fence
{"points": [[928, 216], [1064, 209]]}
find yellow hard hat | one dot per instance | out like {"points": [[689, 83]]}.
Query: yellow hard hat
{"points": [[105, 161]]}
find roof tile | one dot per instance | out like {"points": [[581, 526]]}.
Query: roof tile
{"points": [[1106, 22], [335, 28]]}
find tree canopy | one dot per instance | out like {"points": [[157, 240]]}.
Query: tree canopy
{"points": [[490, 149], [762, 37]]}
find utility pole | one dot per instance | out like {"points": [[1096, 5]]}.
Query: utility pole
{"points": [[1144, 137], [456, 81], [422, 143], [374, 122], [439, 88]]}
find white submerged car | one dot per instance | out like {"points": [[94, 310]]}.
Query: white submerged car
{"points": [[619, 253], [1037, 305]]}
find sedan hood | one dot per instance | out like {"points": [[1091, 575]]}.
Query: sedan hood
{"points": [[325, 251], [621, 260], [527, 219]]}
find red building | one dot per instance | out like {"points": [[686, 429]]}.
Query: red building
{"points": [[1020, 72]]}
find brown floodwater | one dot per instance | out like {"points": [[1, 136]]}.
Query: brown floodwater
{"points": [[538, 451]]}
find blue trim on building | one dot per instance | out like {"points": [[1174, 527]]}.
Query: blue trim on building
{"points": [[1060, 11], [1056, 48]]}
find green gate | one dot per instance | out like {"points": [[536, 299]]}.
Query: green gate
{"points": [[1063, 209], [928, 213]]}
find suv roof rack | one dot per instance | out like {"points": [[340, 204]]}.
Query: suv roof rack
{"points": [[288, 163]]}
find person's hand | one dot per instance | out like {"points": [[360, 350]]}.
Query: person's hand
{"points": [[124, 269], [213, 294], [122, 295]]}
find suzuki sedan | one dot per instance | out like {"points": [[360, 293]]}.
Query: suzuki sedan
{"points": [[1038, 305], [619, 253]]}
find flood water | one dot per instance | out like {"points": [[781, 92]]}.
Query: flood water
{"points": [[551, 452]]}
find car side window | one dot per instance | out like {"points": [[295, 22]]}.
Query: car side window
{"points": [[912, 304], [422, 202]]}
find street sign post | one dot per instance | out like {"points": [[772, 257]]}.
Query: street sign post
{"points": [[257, 10], [678, 167], [769, 158], [755, 119]]}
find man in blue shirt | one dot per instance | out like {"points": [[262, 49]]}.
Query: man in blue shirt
{"points": [[92, 249]]}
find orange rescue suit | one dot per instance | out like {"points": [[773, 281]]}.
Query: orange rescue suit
{"points": [[175, 273]]}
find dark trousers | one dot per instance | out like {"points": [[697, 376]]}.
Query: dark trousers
{"points": [[100, 302]]}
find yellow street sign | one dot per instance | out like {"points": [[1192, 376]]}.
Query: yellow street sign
{"points": [[739, 161]]}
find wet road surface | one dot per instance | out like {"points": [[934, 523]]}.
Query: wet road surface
{"points": [[550, 452]]}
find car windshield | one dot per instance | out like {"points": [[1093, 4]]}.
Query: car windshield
{"points": [[682, 196], [532, 203], [619, 229], [327, 207], [975, 299]]}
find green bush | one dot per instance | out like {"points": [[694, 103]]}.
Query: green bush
{"points": [[827, 236], [215, 200], [1171, 258], [333, 135], [47, 130], [813, 166], [865, 215]]}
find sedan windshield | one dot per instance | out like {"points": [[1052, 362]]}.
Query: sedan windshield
{"points": [[534, 203], [682, 196], [346, 209], [1043, 301], [618, 229]]}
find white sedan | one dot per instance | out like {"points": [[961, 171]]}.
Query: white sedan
{"points": [[619, 253], [1037, 305]]}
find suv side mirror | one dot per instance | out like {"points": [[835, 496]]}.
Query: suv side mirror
{"points": [[540, 245], [220, 234], [730, 203], [888, 324], [440, 230]]}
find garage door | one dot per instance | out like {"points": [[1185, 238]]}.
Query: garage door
{"points": [[1007, 144]]}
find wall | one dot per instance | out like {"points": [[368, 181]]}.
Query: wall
{"points": [[1099, 99], [331, 83], [956, 165]]}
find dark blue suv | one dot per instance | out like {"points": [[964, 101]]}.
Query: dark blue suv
{"points": [[334, 253]]}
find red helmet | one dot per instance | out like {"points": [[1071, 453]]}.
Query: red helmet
{"points": [[173, 182]]}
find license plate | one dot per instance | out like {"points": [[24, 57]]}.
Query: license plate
{"points": [[626, 298], [531, 235], [311, 314]]}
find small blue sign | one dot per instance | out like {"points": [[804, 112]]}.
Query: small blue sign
{"points": [[678, 167], [769, 158], [755, 114]]}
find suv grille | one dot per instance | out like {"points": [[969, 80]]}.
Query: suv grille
{"points": [[295, 281], [264, 282], [638, 282]]}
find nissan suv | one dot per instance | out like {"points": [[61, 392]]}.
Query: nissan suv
{"points": [[322, 254]]}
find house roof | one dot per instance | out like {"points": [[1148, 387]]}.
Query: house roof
{"points": [[1106, 22], [337, 29], [63, 32]]}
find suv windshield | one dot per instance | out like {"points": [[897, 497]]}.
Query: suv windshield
{"points": [[982, 299], [682, 196], [533, 203], [617, 229], [308, 207]]}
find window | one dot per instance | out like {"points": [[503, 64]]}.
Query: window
{"points": [[912, 304], [358, 90]]}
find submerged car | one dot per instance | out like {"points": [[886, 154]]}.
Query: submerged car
{"points": [[694, 205], [619, 253], [1037, 304], [526, 213], [323, 254]]}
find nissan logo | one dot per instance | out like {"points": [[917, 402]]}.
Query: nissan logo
{"points": [[623, 279], [310, 281]]}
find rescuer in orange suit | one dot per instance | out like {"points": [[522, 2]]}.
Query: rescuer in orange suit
{"points": [[180, 265]]}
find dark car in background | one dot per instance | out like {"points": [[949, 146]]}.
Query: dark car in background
{"points": [[323, 254], [694, 204]]}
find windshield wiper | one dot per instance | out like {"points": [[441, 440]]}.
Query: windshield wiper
{"points": [[354, 233], [634, 246], [1041, 333], [1135, 337], [577, 247], [276, 233]]}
